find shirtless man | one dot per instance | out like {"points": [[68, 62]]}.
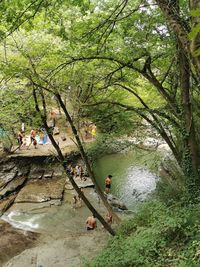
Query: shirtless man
{"points": [[108, 183], [91, 223]]}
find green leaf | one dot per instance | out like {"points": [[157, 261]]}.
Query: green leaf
{"points": [[195, 13], [195, 31]]}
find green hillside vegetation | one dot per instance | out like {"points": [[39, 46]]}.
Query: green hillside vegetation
{"points": [[158, 235], [126, 66]]}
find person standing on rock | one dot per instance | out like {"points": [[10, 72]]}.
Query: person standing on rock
{"points": [[91, 223], [33, 138], [94, 131], [108, 183], [78, 170]]}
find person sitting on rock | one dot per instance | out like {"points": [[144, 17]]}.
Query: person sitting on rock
{"points": [[91, 223], [109, 218]]}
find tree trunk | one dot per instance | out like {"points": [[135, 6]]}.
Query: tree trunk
{"points": [[195, 43], [62, 159], [170, 10], [189, 136], [85, 159], [178, 25]]}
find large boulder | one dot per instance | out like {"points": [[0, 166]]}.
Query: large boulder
{"points": [[41, 190], [13, 241], [12, 186], [6, 203], [7, 176], [115, 202]]}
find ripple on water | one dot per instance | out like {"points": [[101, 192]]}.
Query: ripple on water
{"points": [[132, 180], [138, 185]]}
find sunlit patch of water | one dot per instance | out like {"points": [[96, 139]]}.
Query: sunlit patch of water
{"points": [[138, 185]]}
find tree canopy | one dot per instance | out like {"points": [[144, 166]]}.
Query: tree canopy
{"points": [[116, 63]]}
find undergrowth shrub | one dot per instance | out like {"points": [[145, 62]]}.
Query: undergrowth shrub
{"points": [[158, 236], [171, 185], [106, 144]]}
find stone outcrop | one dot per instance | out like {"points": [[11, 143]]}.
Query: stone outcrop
{"points": [[13, 241], [6, 203], [82, 183], [41, 190], [36, 173], [12, 186], [6, 176], [115, 202]]}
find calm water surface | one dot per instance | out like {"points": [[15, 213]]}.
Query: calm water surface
{"points": [[133, 174], [133, 181]]}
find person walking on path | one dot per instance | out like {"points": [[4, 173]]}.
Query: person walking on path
{"points": [[94, 131], [108, 183], [19, 139]]}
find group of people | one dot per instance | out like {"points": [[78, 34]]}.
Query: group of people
{"points": [[21, 139], [36, 137], [77, 172], [91, 222]]}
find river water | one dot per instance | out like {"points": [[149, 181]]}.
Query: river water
{"points": [[134, 175], [134, 179]]}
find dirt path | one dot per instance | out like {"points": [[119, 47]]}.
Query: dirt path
{"points": [[45, 150]]}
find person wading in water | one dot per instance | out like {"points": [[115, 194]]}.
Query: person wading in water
{"points": [[108, 183], [91, 223]]}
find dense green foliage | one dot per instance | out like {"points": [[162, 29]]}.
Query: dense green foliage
{"points": [[122, 65], [158, 235], [116, 64]]}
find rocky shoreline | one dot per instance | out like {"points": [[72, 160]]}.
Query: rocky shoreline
{"points": [[29, 183], [38, 186], [13, 241]]}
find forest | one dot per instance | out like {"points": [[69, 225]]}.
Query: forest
{"points": [[132, 69]]}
